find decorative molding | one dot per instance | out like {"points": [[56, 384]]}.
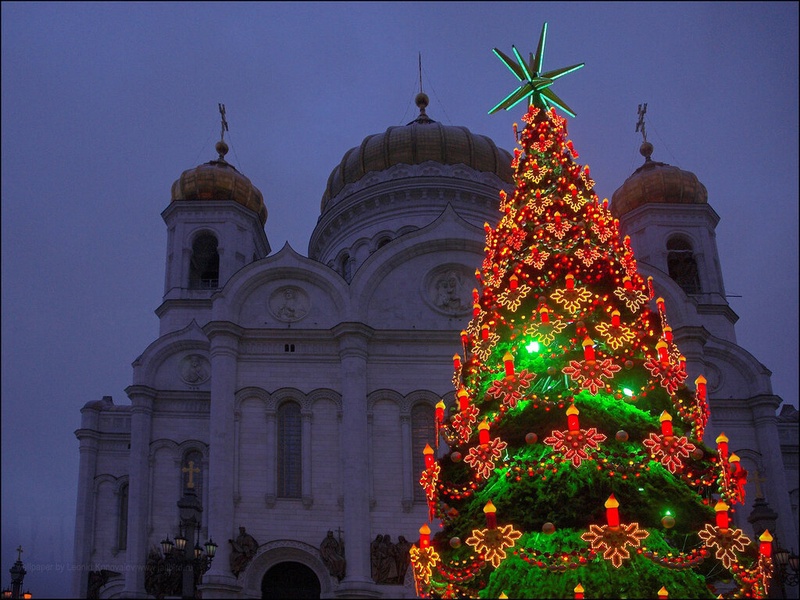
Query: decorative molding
{"points": [[446, 289], [289, 304], [194, 370]]}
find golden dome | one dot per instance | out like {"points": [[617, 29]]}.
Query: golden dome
{"points": [[219, 180], [657, 183], [421, 140]]}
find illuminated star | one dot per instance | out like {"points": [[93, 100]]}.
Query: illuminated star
{"points": [[535, 84]]}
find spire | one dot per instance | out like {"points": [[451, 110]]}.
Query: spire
{"points": [[421, 100]]}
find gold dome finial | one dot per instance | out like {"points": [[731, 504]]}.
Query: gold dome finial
{"points": [[221, 147], [646, 149]]}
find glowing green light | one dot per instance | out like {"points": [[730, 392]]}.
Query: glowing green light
{"points": [[532, 347], [641, 489], [627, 392], [668, 513]]}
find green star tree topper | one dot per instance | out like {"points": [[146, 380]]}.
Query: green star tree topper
{"points": [[574, 458]]}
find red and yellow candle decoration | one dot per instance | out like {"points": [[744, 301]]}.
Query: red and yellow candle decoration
{"points": [[611, 540], [663, 594], [439, 420], [492, 541], [724, 540], [423, 558], [574, 443], [738, 477], [578, 591], [670, 450]]}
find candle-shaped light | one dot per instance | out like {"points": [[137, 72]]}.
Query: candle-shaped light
{"points": [[476, 310], [735, 463], [484, 332], [424, 536], [626, 283], [508, 362], [588, 349], [666, 424], [491, 515], [765, 543], [440, 411], [428, 453], [663, 593], [483, 433], [660, 304], [668, 333], [578, 591], [572, 419], [475, 295], [544, 314], [651, 290], [570, 281], [615, 318], [464, 337], [661, 348], [513, 282], [700, 384], [612, 511], [456, 362], [722, 515], [682, 362], [722, 446], [463, 399], [557, 218]]}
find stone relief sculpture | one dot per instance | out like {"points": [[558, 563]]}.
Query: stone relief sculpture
{"points": [[195, 369], [332, 552], [289, 304], [447, 290], [244, 549], [389, 562]]}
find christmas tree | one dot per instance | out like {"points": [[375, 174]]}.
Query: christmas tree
{"points": [[573, 459]]}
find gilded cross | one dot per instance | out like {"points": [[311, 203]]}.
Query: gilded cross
{"points": [[19, 553], [640, 122], [224, 121], [191, 469]]}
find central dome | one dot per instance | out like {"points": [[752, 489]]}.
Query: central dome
{"points": [[421, 140]]}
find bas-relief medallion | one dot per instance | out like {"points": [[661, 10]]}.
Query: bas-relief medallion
{"points": [[447, 289], [194, 369], [289, 304]]}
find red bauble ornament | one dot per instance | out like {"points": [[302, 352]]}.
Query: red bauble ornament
{"points": [[628, 364], [531, 438], [455, 542], [697, 453], [622, 435], [548, 528], [455, 456], [668, 522], [551, 371]]}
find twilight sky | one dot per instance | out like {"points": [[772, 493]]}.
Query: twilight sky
{"points": [[105, 104]]}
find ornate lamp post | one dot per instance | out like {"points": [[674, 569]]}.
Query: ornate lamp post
{"points": [[180, 565], [786, 566]]}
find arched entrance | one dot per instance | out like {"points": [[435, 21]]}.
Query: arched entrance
{"points": [[290, 580]]}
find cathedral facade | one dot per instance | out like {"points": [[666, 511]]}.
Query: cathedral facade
{"points": [[284, 407]]}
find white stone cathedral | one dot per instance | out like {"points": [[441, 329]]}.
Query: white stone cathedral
{"points": [[287, 399]]}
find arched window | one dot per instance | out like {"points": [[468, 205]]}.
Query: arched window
{"points": [[290, 466], [422, 432], [192, 472], [122, 518], [682, 265], [204, 265]]}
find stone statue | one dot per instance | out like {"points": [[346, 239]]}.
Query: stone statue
{"points": [[402, 558], [332, 553], [244, 549]]}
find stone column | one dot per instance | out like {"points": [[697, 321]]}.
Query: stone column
{"points": [[769, 445], [142, 398], [308, 498], [219, 582], [353, 351], [408, 462], [88, 438]]}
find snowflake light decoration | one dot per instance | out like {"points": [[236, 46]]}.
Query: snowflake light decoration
{"points": [[545, 332], [632, 298], [669, 450], [510, 389], [574, 444], [613, 541], [571, 299], [483, 347], [483, 456], [464, 421], [491, 543], [671, 375], [615, 336], [588, 254], [512, 298], [423, 560], [536, 258], [590, 373], [559, 227], [725, 541]]}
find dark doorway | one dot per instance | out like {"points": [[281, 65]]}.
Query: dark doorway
{"points": [[290, 580]]}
